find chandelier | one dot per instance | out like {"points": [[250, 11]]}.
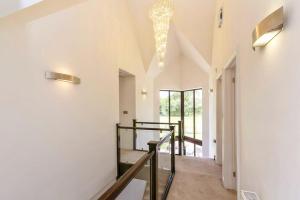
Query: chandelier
{"points": [[161, 14]]}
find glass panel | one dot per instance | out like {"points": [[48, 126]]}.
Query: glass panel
{"points": [[165, 147], [143, 137], [176, 144], [175, 106], [188, 114], [189, 147], [164, 166], [164, 106], [198, 114], [175, 100], [126, 139], [139, 187], [127, 154], [199, 152]]}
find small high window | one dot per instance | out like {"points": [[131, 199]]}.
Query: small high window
{"points": [[8, 7]]}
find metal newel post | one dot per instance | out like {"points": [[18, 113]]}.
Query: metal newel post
{"points": [[179, 138], [153, 147], [172, 149], [134, 134], [118, 151]]}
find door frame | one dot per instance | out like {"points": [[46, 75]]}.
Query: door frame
{"points": [[219, 120], [231, 125], [127, 105]]}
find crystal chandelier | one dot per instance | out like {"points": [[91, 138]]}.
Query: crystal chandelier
{"points": [[161, 14]]}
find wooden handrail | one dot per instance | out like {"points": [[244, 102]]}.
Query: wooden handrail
{"points": [[114, 191], [192, 140], [145, 128], [157, 123]]}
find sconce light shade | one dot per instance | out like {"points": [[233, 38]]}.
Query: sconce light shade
{"points": [[268, 28], [62, 77], [144, 92]]}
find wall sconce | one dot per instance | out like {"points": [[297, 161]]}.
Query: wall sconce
{"points": [[221, 17], [144, 92], [268, 28], [62, 77]]}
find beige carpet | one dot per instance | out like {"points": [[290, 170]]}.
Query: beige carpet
{"points": [[198, 179]]}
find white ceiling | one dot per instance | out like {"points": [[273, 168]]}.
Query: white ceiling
{"points": [[190, 35]]}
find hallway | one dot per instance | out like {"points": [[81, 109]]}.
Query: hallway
{"points": [[198, 179], [98, 97]]}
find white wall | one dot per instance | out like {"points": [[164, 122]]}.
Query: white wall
{"points": [[194, 19], [58, 139], [268, 82]]}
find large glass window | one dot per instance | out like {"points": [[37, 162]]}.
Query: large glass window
{"points": [[170, 111], [193, 111], [11, 6], [175, 107], [175, 114], [189, 114], [198, 114], [164, 106]]}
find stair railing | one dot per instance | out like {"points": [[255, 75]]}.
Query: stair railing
{"points": [[152, 155], [178, 124]]}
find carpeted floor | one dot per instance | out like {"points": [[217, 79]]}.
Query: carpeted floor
{"points": [[198, 179]]}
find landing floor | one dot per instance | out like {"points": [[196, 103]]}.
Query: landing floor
{"points": [[198, 179], [130, 156]]}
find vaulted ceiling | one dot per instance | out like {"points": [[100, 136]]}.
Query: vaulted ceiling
{"points": [[190, 35]]}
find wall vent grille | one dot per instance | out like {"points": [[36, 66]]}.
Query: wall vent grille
{"points": [[249, 195]]}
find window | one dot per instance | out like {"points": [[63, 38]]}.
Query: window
{"points": [[171, 106], [10, 6]]}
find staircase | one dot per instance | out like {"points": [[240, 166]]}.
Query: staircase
{"points": [[163, 176]]}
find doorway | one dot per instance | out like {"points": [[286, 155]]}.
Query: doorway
{"points": [[231, 115], [226, 126], [127, 106], [185, 106]]}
